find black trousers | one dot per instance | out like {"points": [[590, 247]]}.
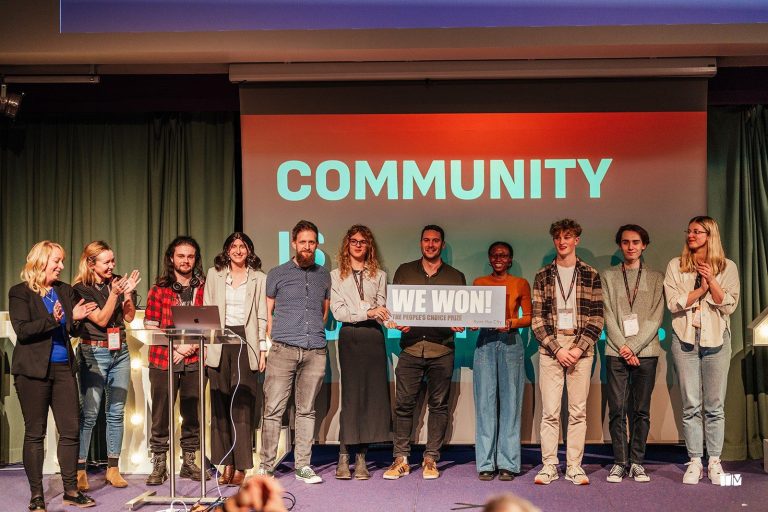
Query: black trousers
{"points": [[58, 390], [629, 396], [223, 381], [410, 372], [187, 385]]}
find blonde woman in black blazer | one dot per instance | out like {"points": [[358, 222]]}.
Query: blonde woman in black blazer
{"points": [[43, 312]]}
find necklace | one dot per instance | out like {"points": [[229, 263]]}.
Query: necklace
{"points": [[49, 297]]}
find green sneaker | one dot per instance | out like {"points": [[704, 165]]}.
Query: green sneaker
{"points": [[262, 471], [308, 476]]}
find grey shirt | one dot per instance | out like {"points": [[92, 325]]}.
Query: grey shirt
{"points": [[649, 306]]}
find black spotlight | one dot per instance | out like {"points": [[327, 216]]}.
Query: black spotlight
{"points": [[9, 102]]}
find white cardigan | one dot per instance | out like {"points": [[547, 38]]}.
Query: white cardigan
{"points": [[715, 318]]}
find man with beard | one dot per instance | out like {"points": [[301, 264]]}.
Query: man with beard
{"points": [[181, 284], [427, 352], [298, 294]]}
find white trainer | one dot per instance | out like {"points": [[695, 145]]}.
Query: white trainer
{"points": [[693, 473], [714, 472]]}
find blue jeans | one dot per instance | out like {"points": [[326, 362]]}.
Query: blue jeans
{"points": [[108, 373], [703, 376], [498, 389]]}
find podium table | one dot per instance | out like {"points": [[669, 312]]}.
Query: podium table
{"points": [[169, 338]]}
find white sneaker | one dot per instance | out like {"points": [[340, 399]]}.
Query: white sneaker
{"points": [[576, 475], [637, 472], [547, 474], [693, 473], [714, 472], [616, 474], [308, 476]]}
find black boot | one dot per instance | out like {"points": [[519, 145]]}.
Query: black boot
{"points": [[361, 468], [189, 469], [159, 474], [342, 468]]}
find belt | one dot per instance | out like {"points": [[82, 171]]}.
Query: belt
{"points": [[97, 343]]}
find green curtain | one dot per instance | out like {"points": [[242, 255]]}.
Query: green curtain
{"points": [[135, 182], [738, 199]]}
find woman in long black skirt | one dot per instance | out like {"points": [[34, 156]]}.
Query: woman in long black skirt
{"points": [[358, 300]]}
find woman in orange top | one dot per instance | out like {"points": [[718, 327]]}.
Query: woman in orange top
{"points": [[499, 373]]}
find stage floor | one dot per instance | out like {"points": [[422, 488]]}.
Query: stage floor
{"points": [[457, 485]]}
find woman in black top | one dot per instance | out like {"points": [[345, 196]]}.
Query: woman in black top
{"points": [[105, 364], [43, 312]]}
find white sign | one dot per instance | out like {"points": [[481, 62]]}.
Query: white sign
{"points": [[447, 306]]}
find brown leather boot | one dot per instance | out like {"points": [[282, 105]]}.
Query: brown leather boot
{"points": [[82, 480], [226, 476], [114, 478], [238, 477]]}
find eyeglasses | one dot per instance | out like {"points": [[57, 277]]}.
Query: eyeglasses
{"points": [[695, 232], [358, 243]]}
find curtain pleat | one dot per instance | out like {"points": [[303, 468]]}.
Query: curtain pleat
{"points": [[737, 184], [135, 182]]}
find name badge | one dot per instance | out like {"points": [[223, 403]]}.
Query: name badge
{"points": [[113, 338], [631, 324], [364, 306], [565, 319], [697, 317]]}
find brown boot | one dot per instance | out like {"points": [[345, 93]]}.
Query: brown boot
{"points": [[114, 478], [342, 468], [226, 476], [82, 480], [361, 468], [238, 477]]}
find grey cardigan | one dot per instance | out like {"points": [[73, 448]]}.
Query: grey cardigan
{"points": [[255, 316], [649, 306]]}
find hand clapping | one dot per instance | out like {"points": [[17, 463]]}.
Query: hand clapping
{"points": [[81, 310], [126, 284]]}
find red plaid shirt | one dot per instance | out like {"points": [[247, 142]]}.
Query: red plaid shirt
{"points": [[158, 314]]}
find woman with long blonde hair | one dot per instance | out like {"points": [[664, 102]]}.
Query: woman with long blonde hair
{"points": [[105, 364], [702, 291], [44, 312], [358, 301]]}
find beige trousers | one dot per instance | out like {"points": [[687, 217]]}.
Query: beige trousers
{"points": [[552, 377]]}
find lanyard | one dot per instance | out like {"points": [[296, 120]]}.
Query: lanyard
{"points": [[560, 284], [631, 299], [359, 282]]}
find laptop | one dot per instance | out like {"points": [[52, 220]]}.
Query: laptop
{"points": [[197, 318]]}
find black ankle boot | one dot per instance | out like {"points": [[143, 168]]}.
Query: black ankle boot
{"points": [[189, 469], [159, 473]]}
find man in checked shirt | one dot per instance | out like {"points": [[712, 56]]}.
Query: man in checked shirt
{"points": [[180, 284], [567, 321]]}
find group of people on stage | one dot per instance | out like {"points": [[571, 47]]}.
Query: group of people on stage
{"points": [[570, 305]]}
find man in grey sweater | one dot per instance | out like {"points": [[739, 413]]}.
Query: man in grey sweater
{"points": [[634, 307]]}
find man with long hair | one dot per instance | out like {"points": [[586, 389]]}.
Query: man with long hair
{"points": [[180, 284]]}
